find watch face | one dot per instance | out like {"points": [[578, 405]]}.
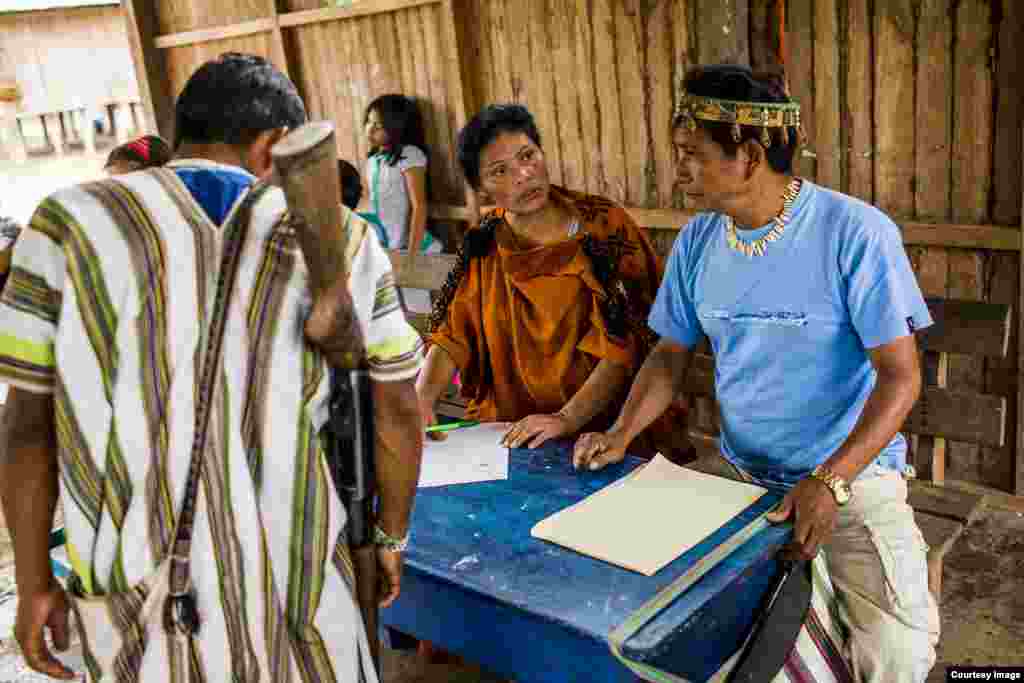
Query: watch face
{"points": [[842, 494]]}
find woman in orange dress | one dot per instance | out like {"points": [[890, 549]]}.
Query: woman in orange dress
{"points": [[544, 315]]}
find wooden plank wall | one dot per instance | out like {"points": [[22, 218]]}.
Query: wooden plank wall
{"points": [[60, 55], [600, 76], [345, 64]]}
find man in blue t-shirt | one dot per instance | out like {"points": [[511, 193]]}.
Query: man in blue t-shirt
{"points": [[809, 303]]}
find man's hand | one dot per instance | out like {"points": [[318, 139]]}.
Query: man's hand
{"points": [[389, 575], [815, 511], [332, 326], [533, 431], [597, 449], [36, 611], [429, 418]]}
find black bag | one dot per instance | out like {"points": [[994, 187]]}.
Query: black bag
{"points": [[777, 625]]}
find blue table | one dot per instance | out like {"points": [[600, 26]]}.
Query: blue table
{"points": [[477, 584]]}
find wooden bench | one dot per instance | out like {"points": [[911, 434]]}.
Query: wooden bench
{"points": [[941, 413], [60, 126], [124, 117], [965, 327]]}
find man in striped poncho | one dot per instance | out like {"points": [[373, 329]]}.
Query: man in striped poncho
{"points": [[102, 325]]}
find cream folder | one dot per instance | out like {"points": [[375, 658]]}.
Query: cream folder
{"points": [[649, 518]]}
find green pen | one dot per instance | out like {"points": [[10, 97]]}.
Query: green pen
{"points": [[449, 426]]}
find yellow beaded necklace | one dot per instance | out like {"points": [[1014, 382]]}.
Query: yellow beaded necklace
{"points": [[758, 246]]}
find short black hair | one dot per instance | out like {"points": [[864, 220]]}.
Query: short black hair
{"points": [[734, 82], [351, 184], [488, 124], [234, 98]]}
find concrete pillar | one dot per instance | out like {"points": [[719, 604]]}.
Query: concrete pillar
{"points": [[54, 132], [123, 126], [11, 141], [86, 129]]}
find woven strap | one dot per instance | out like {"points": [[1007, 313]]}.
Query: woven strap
{"points": [[181, 610], [653, 607]]}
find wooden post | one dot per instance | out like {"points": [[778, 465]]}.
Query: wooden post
{"points": [[458, 74], [828, 145], [930, 451], [1018, 484], [723, 32], [932, 124], [150, 65]]}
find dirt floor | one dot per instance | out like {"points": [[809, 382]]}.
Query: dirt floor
{"points": [[983, 591]]}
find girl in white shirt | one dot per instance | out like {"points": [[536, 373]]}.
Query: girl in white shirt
{"points": [[396, 172]]}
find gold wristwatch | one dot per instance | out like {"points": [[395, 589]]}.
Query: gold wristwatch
{"points": [[836, 484]]}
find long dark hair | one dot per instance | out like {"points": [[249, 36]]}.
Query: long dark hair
{"points": [[403, 123]]}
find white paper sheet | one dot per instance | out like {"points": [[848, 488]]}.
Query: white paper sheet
{"points": [[469, 454], [649, 518]]}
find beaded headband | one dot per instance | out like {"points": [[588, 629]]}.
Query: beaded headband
{"points": [[692, 108]]}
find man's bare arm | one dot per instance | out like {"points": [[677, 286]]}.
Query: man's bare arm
{"points": [[29, 484], [400, 449], [896, 390], [661, 378]]}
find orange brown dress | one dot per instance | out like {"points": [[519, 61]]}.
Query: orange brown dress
{"points": [[527, 327]]}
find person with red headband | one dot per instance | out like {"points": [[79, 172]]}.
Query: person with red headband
{"points": [[145, 152]]}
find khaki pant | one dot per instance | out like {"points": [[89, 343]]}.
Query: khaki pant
{"points": [[877, 561]]}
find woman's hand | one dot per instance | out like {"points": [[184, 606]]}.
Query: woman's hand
{"points": [[429, 419], [533, 431]]}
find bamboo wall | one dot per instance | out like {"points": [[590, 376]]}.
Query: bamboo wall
{"points": [[61, 56], [914, 105]]}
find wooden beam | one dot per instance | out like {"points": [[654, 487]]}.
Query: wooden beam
{"points": [[959, 506], [968, 327], [279, 50], [939, 534], [963, 236], [359, 9], [959, 416], [206, 35], [420, 271], [1018, 483], [150, 65], [956, 415], [724, 33], [827, 98], [929, 452]]}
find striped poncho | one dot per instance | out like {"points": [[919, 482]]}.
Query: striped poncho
{"points": [[111, 287]]}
